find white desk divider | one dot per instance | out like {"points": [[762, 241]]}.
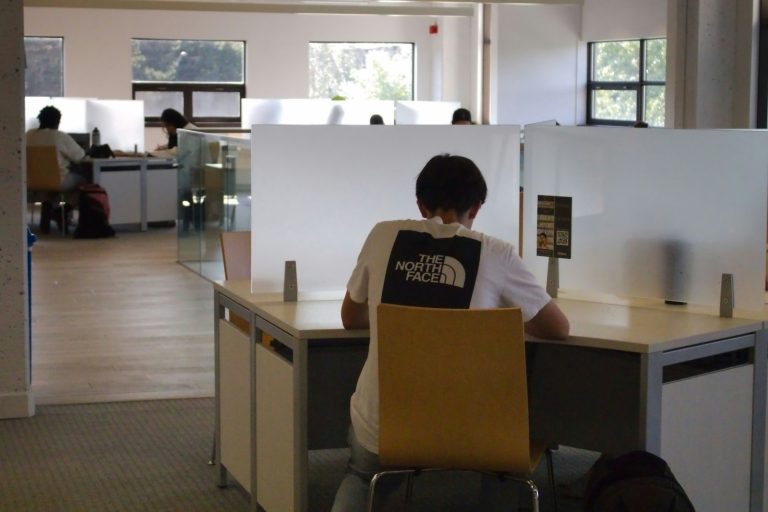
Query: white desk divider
{"points": [[318, 190], [120, 122], [656, 213], [289, 111], [73, 116], [425, 112], [360, 111]]}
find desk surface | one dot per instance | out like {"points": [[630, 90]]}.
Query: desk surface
{"points": [[629, 328], [307, 319]]}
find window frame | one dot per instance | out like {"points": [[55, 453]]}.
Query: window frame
{"points": [[189, 88], [412, 44], [640, 86]]}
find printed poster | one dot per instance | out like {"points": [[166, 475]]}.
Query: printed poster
{"points": [[553, 226]]}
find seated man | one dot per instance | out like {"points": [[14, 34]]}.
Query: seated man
{"points": [[437, 262], [68, 154]]}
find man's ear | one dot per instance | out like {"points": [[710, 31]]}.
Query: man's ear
{"points": [[423, 210], [472, 212]]}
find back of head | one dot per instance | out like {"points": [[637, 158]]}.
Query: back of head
{"points": [[174, 118], [49, 118], [377, 119], [461, 116], [450, 182]]}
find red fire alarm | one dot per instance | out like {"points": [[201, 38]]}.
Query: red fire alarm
{"points": [[433, 28]]}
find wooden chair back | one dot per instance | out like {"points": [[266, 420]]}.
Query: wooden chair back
{"points": [[43, 174], [452, 389], [236, 253]]}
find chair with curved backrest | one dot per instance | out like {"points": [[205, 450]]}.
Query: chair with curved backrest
{"points": [[236, 254], [453, 393], [44, 178]]}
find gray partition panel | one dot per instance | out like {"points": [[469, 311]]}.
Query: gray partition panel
{"points": [[587, 398], [333, 369]]}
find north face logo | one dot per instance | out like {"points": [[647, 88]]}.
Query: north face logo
{"points": [[433, 269]]}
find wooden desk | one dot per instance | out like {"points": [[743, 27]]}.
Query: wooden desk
{"points": [[690, 387], [141, 190]]}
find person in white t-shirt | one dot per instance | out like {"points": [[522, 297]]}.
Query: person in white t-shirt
{"points": [[68, 154], [436, 262]]}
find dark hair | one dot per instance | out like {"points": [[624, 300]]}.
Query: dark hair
{"points": [[173, 118], [450, 182], [376, 119], [461, 114], [640, 124], [49, 117]]}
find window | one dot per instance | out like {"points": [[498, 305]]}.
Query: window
{"points": [[204, 80], [627, 81], [44, 75], [361, 71]]}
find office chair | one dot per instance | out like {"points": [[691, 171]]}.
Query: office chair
{"points": [[236, 255], [44, 182], [453, 394]]}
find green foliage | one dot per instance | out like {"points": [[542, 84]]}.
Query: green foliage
{"points": [[160, 60], [44, 74], [619, 61], [381, 71]]}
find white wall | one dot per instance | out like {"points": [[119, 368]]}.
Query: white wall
{"points": [[97, 51], [605, 20], [540, 56], [536, 49]]}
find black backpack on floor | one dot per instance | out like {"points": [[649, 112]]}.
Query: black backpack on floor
{"points": [[634, 482], [93, 217]]}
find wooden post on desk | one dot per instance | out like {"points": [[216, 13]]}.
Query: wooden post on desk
{"points": [[553, 276], [726, 296], [290, 283]]}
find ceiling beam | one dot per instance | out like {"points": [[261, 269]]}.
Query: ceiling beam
{"points": [[399, 7], [310, 7]]}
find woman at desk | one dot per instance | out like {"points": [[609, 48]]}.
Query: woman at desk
{"points": [[172, 120]]}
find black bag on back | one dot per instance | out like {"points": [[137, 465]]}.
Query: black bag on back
{"points": [[93, 219], [635, 482]]}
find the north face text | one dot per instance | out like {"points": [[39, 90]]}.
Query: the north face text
{"points": [[435, 268]]}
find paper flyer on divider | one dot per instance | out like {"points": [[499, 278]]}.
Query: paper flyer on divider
{"points": [[553, 226]]}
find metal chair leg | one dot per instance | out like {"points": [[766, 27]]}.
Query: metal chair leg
{"points": [[212, 460], [409, 487], [551, 472]]}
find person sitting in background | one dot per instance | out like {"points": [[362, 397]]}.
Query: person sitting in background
{"points": [[68, 154], [172, 120], [461, 116], [377, 119], [449, 193]]}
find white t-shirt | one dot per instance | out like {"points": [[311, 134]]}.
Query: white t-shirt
{"points": [[428, 263], [67, 150]]}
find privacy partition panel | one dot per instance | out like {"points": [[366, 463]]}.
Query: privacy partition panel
{"points": [[425, 112], [72, 112], [656, 213], [120, 123], [318, 190]]}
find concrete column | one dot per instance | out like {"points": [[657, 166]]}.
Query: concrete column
{"points": [[16, 399], [712, 63]]}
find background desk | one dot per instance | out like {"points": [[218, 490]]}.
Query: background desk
{"points": [[689, 387], [140, 190]]}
